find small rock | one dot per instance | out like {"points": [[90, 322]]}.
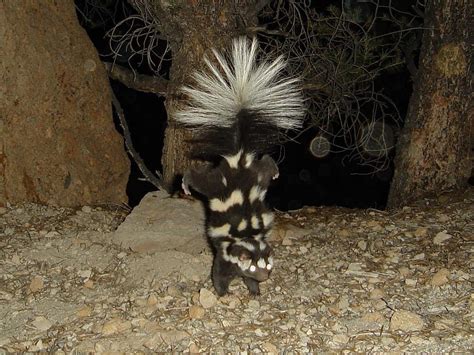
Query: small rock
{"points": [[343, 233], [193, 348], [41, 323], [36, 284], [115, 326], [173, 291], [377, 294], [172, 337], [440, 278], [420, 256], [196, 312], [287, 241], [362, 245], [411, 282], [121, 255], [270, 348], [354, 267], [441, 237], [16, 259], [404, 271], [254, 304], [340, 339], [89, 284], [259, 333], [86, 209], [421, 232], [3, 210], [85, 274], [406, 321], [85, 311], [152, 300], [207, 298]]}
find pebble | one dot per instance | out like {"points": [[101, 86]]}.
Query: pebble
{"points": [[254, 304], [270, 348], [362, 245], [36, 284], [441, 237], [42, 323], [420, 256], [196, 312], [207, 298], [86, 209], [340, 339], [83, 312], [406, 321], [411, 282], [172, 337], [85, 274], [440, 278], [421, 232], [115, 326], [377, 294], [193, 349], [151, 300]]}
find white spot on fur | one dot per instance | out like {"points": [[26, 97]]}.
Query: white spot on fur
{"points": [[242, 225], [269, 266], [262, 194], [258, 237], [224, 181], [248, 160], [259, 177], [261, 263], [222, 231], [255, 222], [244, 244], [233, 160], [267, 219], [253, 268], [235, 198], [262, 245], [270, 260], [254, 193]]}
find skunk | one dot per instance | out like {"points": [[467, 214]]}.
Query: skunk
{"points": [[236, 111]]}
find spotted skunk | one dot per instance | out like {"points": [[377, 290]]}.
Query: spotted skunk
{"points": [[236, 111]]}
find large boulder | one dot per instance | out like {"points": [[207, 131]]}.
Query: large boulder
{"points": [[58, 142]]}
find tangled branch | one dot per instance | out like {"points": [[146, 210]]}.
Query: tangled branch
{"points": [[339, 54]]}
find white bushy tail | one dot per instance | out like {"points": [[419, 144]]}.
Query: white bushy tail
{"points": [[235, 83]]}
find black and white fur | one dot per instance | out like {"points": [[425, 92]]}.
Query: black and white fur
{"points": [[236, 110]]}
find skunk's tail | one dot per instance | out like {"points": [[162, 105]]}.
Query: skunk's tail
{"points": [[239, 105]]}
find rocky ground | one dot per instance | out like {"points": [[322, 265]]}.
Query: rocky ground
{"points": [[354, 280]]}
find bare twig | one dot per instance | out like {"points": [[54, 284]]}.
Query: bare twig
{"points": [[157, 181], [139, 82]]}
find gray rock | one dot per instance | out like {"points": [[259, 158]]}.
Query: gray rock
{"points": [[161, 222]]}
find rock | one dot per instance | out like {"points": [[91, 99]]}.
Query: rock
{"points": [[161, 223], [254, 304], [286, 241], [440, 278], [86, 209], [421, 232], [172, 337], [411, 282], [85, 274], [115, 326], [362, 245], [36, 284], [406, 321], [270, 348], [42, 323], [152, 300], [78, 162], [340, 339], [83, 312], [89, 284], [193, 349], [196, 312], [376, 294], [420, 256], [207, 298], [441, 237]]}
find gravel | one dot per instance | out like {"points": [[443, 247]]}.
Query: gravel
{"points": [[344, 280]]}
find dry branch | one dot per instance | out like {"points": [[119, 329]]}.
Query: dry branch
{"points": [[139, 82]]}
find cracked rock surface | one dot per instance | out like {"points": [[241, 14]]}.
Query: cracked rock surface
{"points": [[356, 280]]}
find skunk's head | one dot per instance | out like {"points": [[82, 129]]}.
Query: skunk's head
{"points": [[253, 258]]}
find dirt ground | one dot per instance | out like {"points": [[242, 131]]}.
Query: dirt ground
{"points": [[344, 280]]}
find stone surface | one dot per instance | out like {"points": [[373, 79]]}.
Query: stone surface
{"points": [[207, 298], [161, 222], [406, 321], [58, 142]]}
